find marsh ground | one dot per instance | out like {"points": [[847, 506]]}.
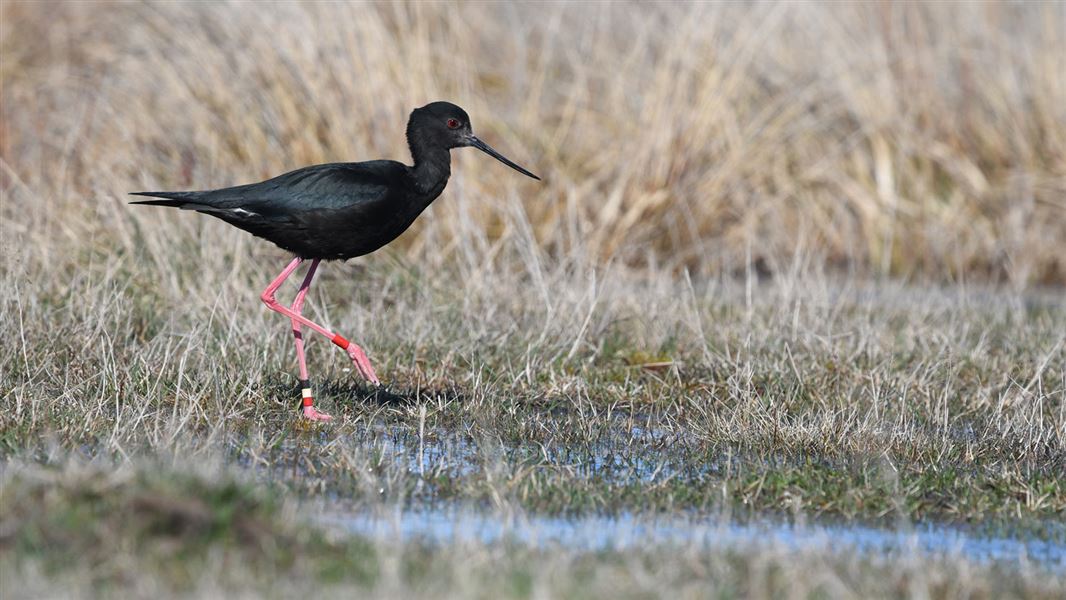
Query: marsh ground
{"points": [[804, 401]]}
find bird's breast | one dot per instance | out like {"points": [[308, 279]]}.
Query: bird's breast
{"points": [[365, 229]]}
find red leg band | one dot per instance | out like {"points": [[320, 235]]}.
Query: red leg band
{"points": [[340, 341]]}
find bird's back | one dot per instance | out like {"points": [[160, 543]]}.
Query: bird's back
{"points": [[328, 211]]}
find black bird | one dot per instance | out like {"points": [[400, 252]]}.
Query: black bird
{"points": [[338, 211]]}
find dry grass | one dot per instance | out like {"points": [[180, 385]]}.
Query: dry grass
{"points": [[803, 392], [896, 138]]}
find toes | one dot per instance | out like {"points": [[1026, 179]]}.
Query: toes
{"points": [[368, 372], [362, 363], [313, 415]]}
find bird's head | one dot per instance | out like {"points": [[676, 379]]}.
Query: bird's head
{"points": [[445, 125]]}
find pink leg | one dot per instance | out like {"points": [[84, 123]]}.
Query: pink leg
{"points": [[305, 379], [297, 306], [359, 358]]}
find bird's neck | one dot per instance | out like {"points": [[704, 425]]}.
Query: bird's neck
{"points": [[432, 166]]}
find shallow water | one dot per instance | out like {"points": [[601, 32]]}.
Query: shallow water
{"points": [[627, 531], [621, 456], [638, 455]]}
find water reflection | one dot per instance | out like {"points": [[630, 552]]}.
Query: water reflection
{"points": [[628, 531]]}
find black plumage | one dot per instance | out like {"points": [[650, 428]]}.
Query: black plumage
{"points": [[344, 210]]}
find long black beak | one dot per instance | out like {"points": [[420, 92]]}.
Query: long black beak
{"points": [[487, 149]]}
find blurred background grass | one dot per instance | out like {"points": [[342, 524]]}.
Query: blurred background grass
{"points": [[915, 140]]}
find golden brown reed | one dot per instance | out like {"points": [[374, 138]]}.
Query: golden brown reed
{"points": [[902, 139]]}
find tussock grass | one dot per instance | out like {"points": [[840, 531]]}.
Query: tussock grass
{"points": [[905, 139]]}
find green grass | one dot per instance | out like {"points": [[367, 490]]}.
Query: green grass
{"points": [[144, 528]]}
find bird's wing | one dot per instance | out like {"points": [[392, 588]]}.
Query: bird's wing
{"points": [[327, 187], [312, 189]]}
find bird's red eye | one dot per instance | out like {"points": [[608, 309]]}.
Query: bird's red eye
{"points": [[453, 123]]}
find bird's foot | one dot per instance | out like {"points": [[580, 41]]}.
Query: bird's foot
{"points": [[311, 414], [362, 363]]}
